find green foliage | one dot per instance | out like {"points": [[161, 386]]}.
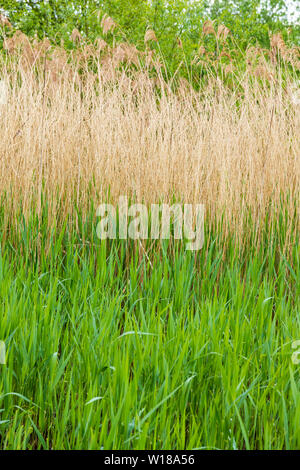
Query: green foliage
{"points": [[107, 350], [252, 21]]}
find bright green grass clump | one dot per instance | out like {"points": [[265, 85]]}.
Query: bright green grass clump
{"points": [[109, 348]]}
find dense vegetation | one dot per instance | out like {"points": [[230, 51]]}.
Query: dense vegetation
{"points": [[250, 22], [123, 344]]}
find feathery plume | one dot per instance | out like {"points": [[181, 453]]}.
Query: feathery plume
{"points": [[107, 24], [222, 32], [150, 36], [208, 27], [4, 21], [75, 36]]}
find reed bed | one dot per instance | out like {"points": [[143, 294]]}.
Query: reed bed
{"points": [[120, 344], [105, 122]]}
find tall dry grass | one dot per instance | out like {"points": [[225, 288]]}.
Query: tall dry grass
{"points": [[71, 132]]}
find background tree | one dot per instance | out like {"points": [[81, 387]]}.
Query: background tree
{"points": [[176, 22]]}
